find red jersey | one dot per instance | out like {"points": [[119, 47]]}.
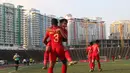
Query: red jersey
{"points": [[89, 50], [65, 31], [95, 49], [56, 38], [49, 43]]}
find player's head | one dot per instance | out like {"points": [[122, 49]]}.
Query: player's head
{"points": [[91, 43], [54, 21], [97, 41], [16, 53], [63, 22]]}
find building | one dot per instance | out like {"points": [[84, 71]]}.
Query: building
{"points": [[47, 22], [95, 29], [120, 29], [78, 28], [11, 25], [19, 22], [33, 29], [26, 32]]}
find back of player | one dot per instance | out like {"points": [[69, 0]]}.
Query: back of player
{"points": [[95, 55], [57, 48]]}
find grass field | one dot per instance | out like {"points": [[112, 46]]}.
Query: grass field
{"points": [[121, 66]]}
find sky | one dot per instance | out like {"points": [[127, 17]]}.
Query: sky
{"points": [[109, 10]]}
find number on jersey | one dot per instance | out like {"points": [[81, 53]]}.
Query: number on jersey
{"points": [[56, 37]]}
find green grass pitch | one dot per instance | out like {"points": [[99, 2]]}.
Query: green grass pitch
{"points": [[121, 66]]}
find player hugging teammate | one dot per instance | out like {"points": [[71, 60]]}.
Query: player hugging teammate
{"points": [[54, 47], [93, 54]]}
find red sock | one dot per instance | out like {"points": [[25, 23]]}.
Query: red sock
{"points": [[99, 65], [67, 56], [90, 65], [46, 55], [64, 68], [93, 65], [50, 70]]}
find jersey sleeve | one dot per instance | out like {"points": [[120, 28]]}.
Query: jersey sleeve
{"points": [[45, 38], [47, 34]]}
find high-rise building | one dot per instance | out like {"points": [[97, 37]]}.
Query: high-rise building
{"points": [[95, 29], [1, 37], [19, 22], [26, 32], [33, 29], [11, 23], [120, 28], [47, 22], [77, 30]]}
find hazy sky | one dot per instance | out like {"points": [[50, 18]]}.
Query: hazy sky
{"points": [[109, 10]]}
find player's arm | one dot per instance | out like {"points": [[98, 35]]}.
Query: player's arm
{"points": [[45, 38], [89, 51], [62, 33], [98, 50]]}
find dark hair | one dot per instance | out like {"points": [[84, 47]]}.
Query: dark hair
{"points": [[63, 20], [54, 21], [91, 43], [97, 41]]}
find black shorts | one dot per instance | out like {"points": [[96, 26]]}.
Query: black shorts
{"points": [[16, 62]]}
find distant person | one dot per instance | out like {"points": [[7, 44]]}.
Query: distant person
{"points": [[89, 54], [24, 61], [31, 61], [127, 57], [16, 59], [119, 56], [27, 61], [113, 58], [95, 55]]}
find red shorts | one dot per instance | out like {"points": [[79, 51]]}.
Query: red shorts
{"points": [[57, 51], [95, 57]]}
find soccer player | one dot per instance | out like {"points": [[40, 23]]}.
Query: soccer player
{"points": [[16, 58], [89, 53], [95, 55], [56, 36], [113, 58], [63, 25]]}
